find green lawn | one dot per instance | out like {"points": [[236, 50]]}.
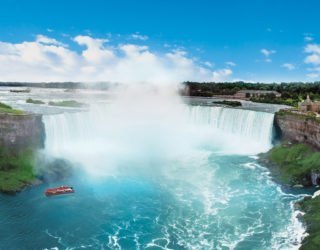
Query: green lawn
{"points": [[16, 170], [4, 108], [68, 103], [291, 164], [33, 101], [312, 219]]}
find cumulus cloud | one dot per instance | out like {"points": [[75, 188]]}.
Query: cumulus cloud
{"points": [[46, 40], [288, 66], [221, 75], [314, 54], [313, 58], [47, 59]]}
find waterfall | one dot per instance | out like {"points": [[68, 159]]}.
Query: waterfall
{"points": [[106, 136], [247, 124]]}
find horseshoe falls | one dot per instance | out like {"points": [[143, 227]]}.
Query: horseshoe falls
{"points": [[149, 177]]}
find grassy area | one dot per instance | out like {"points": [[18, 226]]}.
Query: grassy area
{"points": [[16, 170], [278, 100], [228, 103], [4, 108], [305, 116], [69, 103], [29, 100], [312, 220], [292, 164]]}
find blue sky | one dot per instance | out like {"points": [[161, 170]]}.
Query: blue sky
{"points": [[255, 40]]}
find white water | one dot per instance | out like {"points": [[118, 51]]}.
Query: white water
{"points": [[200, 154], [107, 137]]}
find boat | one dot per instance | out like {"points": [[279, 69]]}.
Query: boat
{"points": [[59, 190]]}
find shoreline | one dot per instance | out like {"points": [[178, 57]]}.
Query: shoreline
{"points": [[299, 227], [305, 209]]}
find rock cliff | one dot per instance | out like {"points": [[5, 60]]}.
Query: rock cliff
{"points": [[298, 128], [20, 131]]}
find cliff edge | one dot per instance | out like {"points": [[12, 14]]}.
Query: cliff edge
{"points": [[18, 132], [298, 127], [21, 135]]}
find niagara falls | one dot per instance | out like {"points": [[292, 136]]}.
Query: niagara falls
{"points": [[159, 125], [158, 172]]}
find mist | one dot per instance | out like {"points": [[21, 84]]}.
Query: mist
{"points": [[143, 128]]}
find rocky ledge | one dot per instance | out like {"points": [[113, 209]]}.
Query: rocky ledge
{"points": [[20, 131], [296, 163], [298, 127], [21, 135]]}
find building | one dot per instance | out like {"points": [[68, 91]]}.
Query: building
{"points": [[308, 105], [247, 94]]}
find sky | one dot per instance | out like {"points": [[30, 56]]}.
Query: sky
{"points": [[159, 40]]}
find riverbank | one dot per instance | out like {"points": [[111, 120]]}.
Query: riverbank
{"points": [[298, 166], [21, 135], [16, 170]]}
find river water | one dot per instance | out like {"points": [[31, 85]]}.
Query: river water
{"points": [[152, 173]]}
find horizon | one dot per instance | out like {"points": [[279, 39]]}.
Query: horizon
{"points": [[163, 41]]}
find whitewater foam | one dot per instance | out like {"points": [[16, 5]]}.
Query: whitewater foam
{"points": [[186, 149]]}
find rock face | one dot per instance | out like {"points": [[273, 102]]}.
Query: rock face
{"points": [[315, 178], [21, 131], [298, 128]]}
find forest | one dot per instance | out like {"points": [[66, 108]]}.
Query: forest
{"points": [[291, 93]]}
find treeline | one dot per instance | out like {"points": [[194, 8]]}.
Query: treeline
{"points": [[291, 93], [61, 85], [287, 90]]}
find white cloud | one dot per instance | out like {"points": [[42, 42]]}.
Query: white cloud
{"points": [[313, 58], [138, 36], [208, 64], [288, 66], [314, 54], [95, 51], [231, 64], [47, 40], [313, 48], [46, 59], [313, 75], [308, 38], [267, 52], [221, 75]]}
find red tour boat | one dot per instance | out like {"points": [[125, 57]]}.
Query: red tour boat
{"points": [[59, 190]]}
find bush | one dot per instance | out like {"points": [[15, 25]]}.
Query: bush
{"points": [[16, 170], [4, 108], [294, 163], [69, 103], [29, 100]]}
